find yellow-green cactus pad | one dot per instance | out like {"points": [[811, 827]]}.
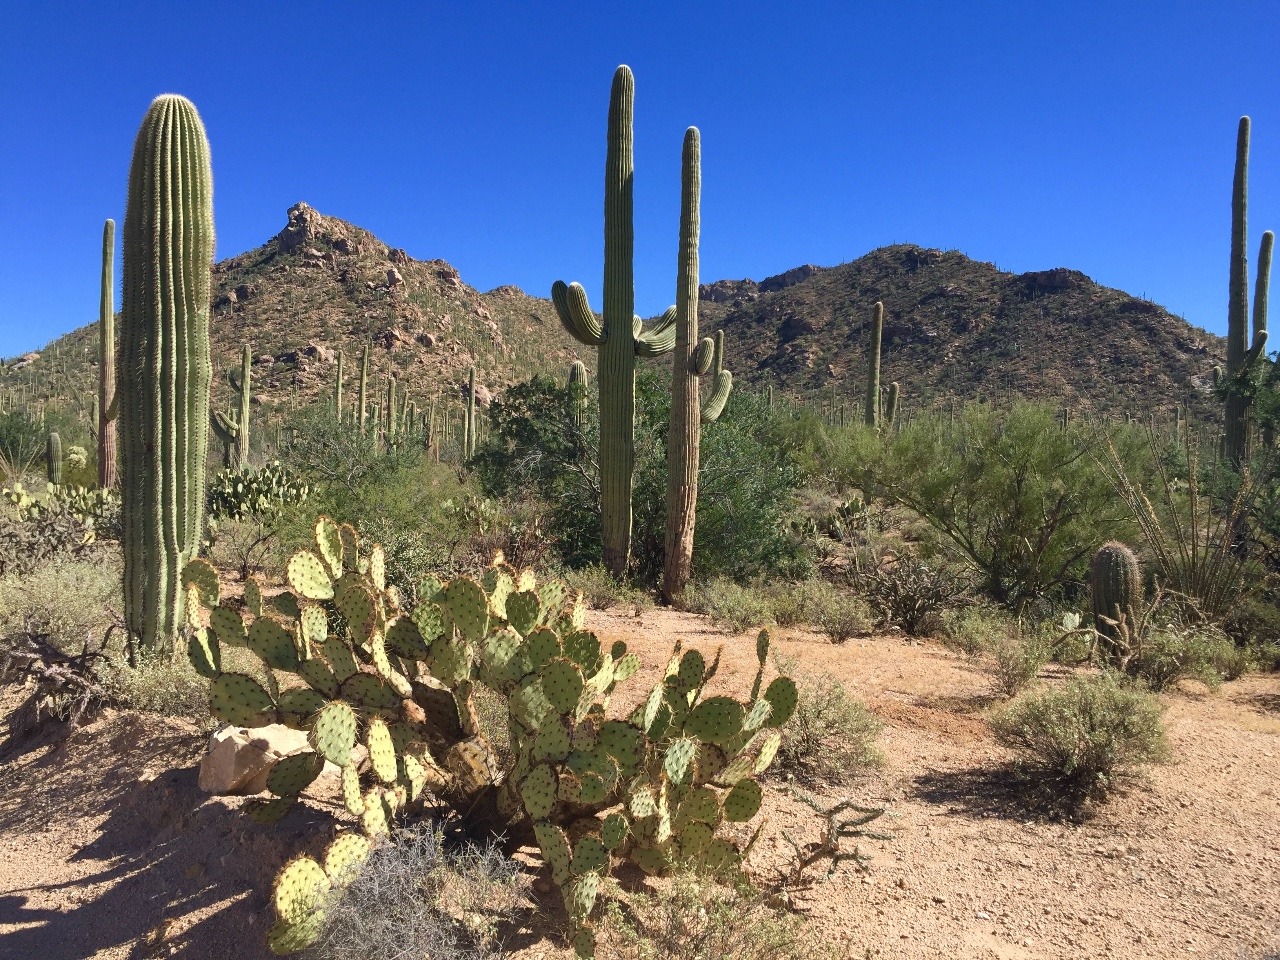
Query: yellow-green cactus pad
{"points": [[404, 639], [301, 701], [355, 603], [555, 850], [308, 577], [382, 753], [267, 812], [643, 803], [352, 798], [783, 697], [294, 773], [523, 611], [623, 742], [350, 546], [341, 660], [378, 566], [580, 897], [314, 624], [715, 719], [450, 661], [253, 596], [538, 790], [300, 889], [200, 572], [678, 760], [334, 732], [273, 643], [589, 856], [238, 699], [768, 751], [319, 677], [377, 817], [228, 625], [344, 858], [286, 604], [329, 545], [701, 805], [204, 652], [466, 606], [693, 667], [367, 691], [529, 704], [552, 740], [583, 648], [613, 831], [743, 801], [542, 646], [562, 683], [649, 859], [756, 717], [285, 938], [626, 667]]}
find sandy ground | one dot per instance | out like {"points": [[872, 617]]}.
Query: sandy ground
{"points": [[108, 849]]}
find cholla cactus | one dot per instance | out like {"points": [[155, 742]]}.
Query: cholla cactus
{"points": [[653, 788]]}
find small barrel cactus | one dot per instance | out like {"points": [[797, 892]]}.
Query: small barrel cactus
{"points": [[1116, 580]]}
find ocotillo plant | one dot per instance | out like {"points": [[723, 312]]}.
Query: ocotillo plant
{"points": [[577, 384], [233, 429], [105, 415], [164, 368], [53, 458], [690, 359], [619, 337], [872, 413], [1241, 355]]}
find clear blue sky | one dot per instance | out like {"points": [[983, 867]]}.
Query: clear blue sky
{"points": [[1093, 135]]}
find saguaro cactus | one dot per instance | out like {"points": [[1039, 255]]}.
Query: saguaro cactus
{"points": [[164, 370], [469, 419], [1241, 355], [619, 337], [105, 415], [577, 384], [233, 429], [337, 387], [53, 458], [689, 359], [1116, 580], [872, 412], [364, 388], [891, 405]]}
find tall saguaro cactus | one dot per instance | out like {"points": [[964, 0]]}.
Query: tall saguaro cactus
{"points": [[872, 412], [337, 387], [106, 408], [233, 429], [53, 458], [1241, 355], [619, 337], [469, 421], [577, 384], [164, 369], [364, 388]]}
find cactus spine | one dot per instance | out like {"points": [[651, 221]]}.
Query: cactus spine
{"points": [[53, 458], [233, 429], [164, 364], [1116, 581], [1241, 355], [872, 413], [619, 337], [105, 415]]}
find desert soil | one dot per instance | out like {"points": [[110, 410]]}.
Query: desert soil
{"points": [[109, 850]]}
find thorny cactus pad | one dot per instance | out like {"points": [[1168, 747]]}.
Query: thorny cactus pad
{"points": [[386, 694]]}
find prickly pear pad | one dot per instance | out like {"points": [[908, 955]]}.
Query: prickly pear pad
{"points": [[715, 719], [783, 697], [239, 699], [200, 572], [226, 623], [273, 643], [334, 732], [743, 801], [293, 774], [308, 577], [345, 856], [300, 889]]}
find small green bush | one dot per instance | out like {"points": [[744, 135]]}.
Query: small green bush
{"points": [[842, 616], [977, 628], [1077, 742], [158, 684], [67, 600], [730, 606], [831, 737], [909, 592], [1017, 659], [601, 591], [1172, 652], [694, 919]]}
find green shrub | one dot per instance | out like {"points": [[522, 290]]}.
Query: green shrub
{"points": [[976, 628], [842, 616], [1017, 659], [692, 918], [67, 600], [1077, 742], [1171, 652], [158, 684], [730, 606], [601, 591], [796, 602], [909, 592], [831, 738]]}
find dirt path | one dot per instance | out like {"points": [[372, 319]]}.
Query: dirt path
{"points": [[106, 840]]}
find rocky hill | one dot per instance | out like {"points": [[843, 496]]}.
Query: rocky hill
{"points": [[956, 327]]}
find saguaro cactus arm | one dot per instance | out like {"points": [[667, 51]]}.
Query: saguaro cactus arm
{"points": [[105, 427], [575, 313], [721, 386]]}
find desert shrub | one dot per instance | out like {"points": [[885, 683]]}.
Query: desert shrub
{"points": [[842, 616], [43, 538], [796, 602], [67, 600], [831, 737], [730, 605], [339, 460], [1266, 656], [1077, 742], [1020, 497], [22, 441], [908, 591], [976, 628], [1017, 658], [1167, 653], [158, 684], [695, 919], [247, 508], [601, 590], [415, 896]]}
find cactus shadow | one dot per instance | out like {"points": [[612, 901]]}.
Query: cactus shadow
{"points": [[999, 792]]}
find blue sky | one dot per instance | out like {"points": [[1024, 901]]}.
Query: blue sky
{"points": [[1092, 135]]}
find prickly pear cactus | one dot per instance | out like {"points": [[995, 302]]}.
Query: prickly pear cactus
{"points": [[385, 693]]}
